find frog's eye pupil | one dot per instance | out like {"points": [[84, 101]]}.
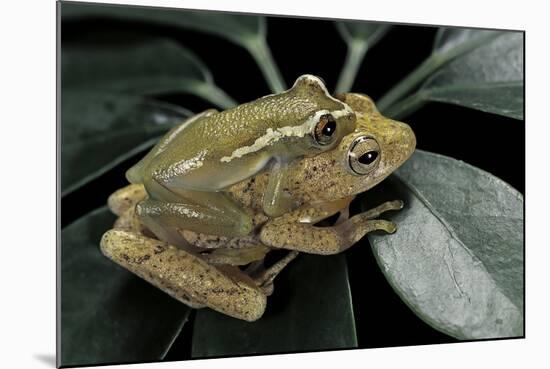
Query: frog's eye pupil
{"points": [[363, 155], [329, 128], [325, 128], [368, 157]]}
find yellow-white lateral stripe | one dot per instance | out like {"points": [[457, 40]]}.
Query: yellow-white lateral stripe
{"points": [[271, 136]]}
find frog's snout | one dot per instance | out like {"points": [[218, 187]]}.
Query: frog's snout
{"points": [[405, 141], [398, 143]]}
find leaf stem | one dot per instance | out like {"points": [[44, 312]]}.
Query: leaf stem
{"points": [[411, 81], [356, 52], [258, 48], [407, 106], [215, 95]]}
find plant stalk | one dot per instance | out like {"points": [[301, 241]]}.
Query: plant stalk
{"points": [[407, 106], [356, 52], [411, 81], [258, 48], [215, 95]]}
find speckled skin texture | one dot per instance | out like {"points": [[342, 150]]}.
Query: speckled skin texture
{"points": [[321, 186], [287, 232], [184, 276]]}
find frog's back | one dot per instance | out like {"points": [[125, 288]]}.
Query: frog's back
{"points": [[221, 134], [226, 147]]}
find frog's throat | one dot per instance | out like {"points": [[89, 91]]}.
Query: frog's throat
{"points": [[272, 136]]}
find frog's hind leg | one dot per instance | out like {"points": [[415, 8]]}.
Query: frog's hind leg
{"points": [[135, 173], [184, 276], [203, 212]]}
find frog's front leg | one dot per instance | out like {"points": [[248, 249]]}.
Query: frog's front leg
{"points": [[276, 201], [295, 231]]}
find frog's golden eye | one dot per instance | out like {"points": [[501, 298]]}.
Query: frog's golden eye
{"points": [[324, 130], [363, 155]]}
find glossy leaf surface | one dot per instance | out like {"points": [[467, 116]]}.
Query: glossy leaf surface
{"points": [[311, 309], [457, 257]]}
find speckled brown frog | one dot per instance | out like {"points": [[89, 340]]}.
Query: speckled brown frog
{"points": [[227, 273]]}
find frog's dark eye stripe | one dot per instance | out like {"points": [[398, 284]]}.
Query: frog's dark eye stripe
{"points": [[363, 155]]}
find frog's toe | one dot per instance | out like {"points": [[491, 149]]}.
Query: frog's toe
{"points": [[390, 227], [380, 209], [246, 226], [125, 198]]}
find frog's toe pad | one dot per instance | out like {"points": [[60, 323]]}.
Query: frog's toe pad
{"points": [[391, 228]]}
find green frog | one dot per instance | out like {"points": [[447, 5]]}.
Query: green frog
{"points": [[187, 172], [203, 270]]}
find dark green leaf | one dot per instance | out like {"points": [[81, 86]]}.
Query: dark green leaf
{"points": [[108, 315], [489, 78], [248, 31], [152, 67], [498, 98], [359, 37], [450, 43], [457, 256], [100, 130], [311, 309], [234, 27]]}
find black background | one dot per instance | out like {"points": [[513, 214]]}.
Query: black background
{"points": [[490, 142]]}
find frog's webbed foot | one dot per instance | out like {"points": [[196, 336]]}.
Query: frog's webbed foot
{"points": [[276, 200], [284, 232], [186, 277]]}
